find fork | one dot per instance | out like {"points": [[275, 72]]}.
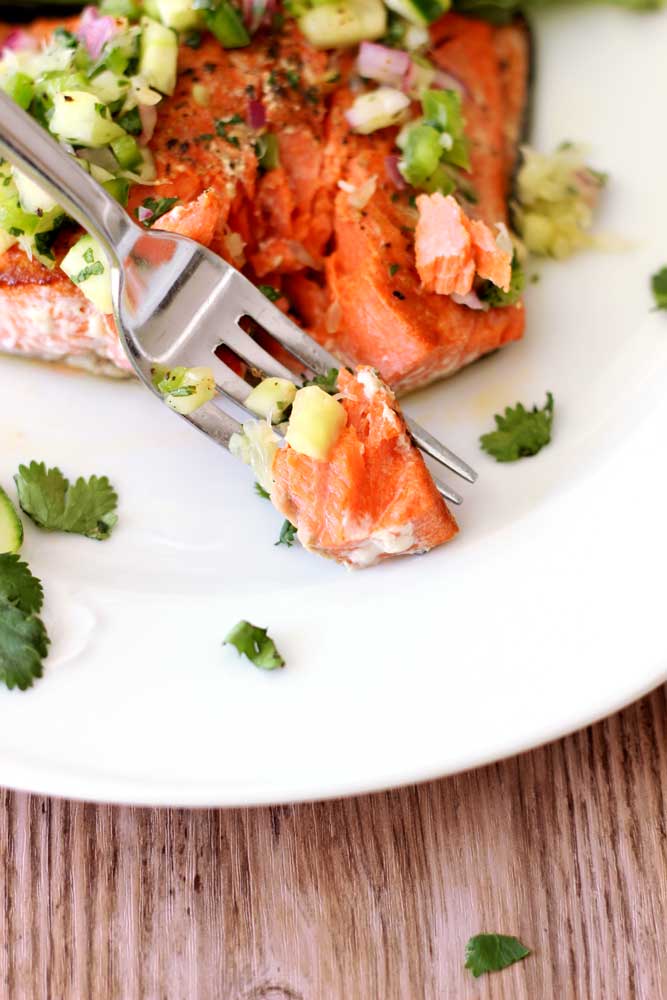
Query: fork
{"points": [[175, 302]]}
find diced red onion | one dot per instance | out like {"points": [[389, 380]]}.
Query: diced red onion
{"points": [[148, 116], [144, 214], [256, 115], [19, 41], [471, 300], [393, 173], [256, 12], [95, 30], [445, 81], [379, 62]]}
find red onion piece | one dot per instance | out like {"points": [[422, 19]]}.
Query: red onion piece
{"points": [[144, 214], [148, 115], [95, 30], [19, 41], [256, 114], [445, 81], [378, 62], [393, 173], [471, 300]]}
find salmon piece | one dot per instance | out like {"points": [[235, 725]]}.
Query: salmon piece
{"points": [[373, 497], [450, 248], [292, 226]]}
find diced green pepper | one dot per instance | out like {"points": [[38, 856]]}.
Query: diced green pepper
{"points": [[421, 155], [20, 88], [127, 152], [224, 22]]}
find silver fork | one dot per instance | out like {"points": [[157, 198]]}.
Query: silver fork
{"points": [[175, 302]]}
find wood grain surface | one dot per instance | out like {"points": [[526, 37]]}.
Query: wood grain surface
{"points": [[365, 899]]}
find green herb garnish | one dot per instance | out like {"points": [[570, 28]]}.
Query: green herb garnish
{"points": [[327, 382], [493, 952], [272, 294], [287, 534], [85, 507], [254, 642], [23, 639], [520, 432], [261, 492], [659, 288], [496, 297], [157, 207]]}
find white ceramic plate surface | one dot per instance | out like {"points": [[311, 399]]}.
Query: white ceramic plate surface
{"points": [[546, 613]]}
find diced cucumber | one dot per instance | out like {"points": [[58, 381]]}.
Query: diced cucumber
{"points": [[109, 87], [271, 398], [79, 118], [101, 174], [20, 88], [177, 14], [11, 528], [33, 232], [159, 56], [316, 422], [378, 109], [257, 446], [419, 12], [118, 188], [224, 22], [344, 23], [127, 152], [33, 199], [185, 389], [87, 266]]}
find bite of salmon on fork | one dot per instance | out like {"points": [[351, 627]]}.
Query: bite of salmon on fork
{"points": [[176, 304]]}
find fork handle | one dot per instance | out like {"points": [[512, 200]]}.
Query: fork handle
{"points": [[28, 146]]}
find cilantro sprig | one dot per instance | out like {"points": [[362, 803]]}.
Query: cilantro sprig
{"points": [[85, 507], [24, 642], [659, 288], [157, 207], [287, 534], [493, 952], [519, 432], [254, 643], [328, 382]]}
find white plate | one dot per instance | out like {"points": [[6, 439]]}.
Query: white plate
{"points": [[546, 613]]}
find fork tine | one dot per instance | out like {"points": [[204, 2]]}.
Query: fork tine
{"points": [[439, 452], [214, 422], [447, 492], [254, 355]]}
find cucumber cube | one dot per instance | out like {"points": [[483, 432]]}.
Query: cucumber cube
{"points": [[79, 118], [159, 56], [316, 422], [87, 266]]}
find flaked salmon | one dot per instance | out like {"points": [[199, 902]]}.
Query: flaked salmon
{"points": [[373, 497]]}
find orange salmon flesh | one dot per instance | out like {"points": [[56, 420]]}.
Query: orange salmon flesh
{"points": [[348, 274]]}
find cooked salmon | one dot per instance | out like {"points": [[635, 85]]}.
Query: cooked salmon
{"points": [[373, 497], [346, 268]]}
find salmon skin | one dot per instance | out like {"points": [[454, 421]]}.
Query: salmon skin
{"points": [[345, 271], [373, 497]]}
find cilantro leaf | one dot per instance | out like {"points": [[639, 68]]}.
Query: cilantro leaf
{"points": [[84, 507], [157, 207], [287, 534], [327, 382], [261, 492], [659, 288], [254, 642], [520, 432], [493, 952], [494, 296], [18, 586], [271, 293], [23, 645]]}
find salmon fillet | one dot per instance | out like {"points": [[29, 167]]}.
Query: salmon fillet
{"points": [[373, 497], [293, 227]]}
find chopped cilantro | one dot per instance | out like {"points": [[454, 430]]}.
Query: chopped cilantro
{"points": [[287, 534], [293, 78], [192, 39], [157, 207], [131, 122], [89, 271], [86, 507], [261, 492], [520, 432], [254, 642], [23, 639], [494, 296], [393, 268], [493, 952], [327, 382], [65, 38], [272, 294], [659, 288]]}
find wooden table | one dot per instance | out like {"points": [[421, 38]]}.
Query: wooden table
{"points": [[365, 899]]}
